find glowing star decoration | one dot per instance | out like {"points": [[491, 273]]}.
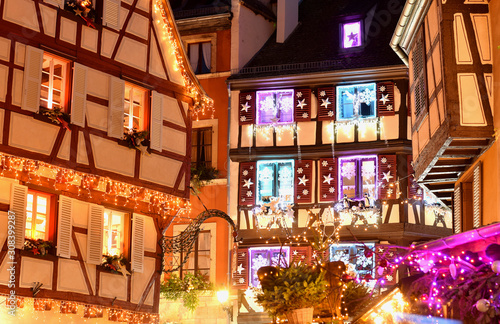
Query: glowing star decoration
{"points": [[299, 94], [324, 196], [295, 252], [382, 88], [305, 192], [384, 99], [251, 167], [387, 176], [301, 103], [307, 165], [325, 102], [249, 194], [248, 97], [240, 268], [389, 191], [328, 178], [300, 170], [303, 180], [389, 107], [245, 172], [332, 189], [324, 163], [305, 115], [241, 281], [248, 183], [245, 107], [322, 93]]}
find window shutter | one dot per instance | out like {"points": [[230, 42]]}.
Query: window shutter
{"points": [[476, 196], [18, 203], [326, 103], [248, 183], [240, 274], [138, 243], [156, 121], [303, 181], [385, 98], [79, 95], [32, 79], [301, 254], [387, 176], [302, 105], [64, 227], [414, 189], [457, 210], [111, 13], [247, 108], [116, 112], [328, 179], [95, 234]]}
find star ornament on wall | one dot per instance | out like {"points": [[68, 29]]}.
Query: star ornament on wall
{"points": [[240, 268], [303, 180], [325, 102], [248, 183], [245, 107], [301, 103], [387, 176], [384, 98], [328, 178], [353, 37]]}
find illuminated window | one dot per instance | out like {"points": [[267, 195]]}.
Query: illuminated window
{"points": [[357, 176], [353, 255], [274, 106], [351, 34], [201, 147], [114, 232], [266, 256], [53, 91], [37, 216], [356, 101], [275, 179], [199, 259], [135, 101]]}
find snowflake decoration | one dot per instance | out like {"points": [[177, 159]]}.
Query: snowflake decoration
{"points": [[249, 194], [245, 172], [299, 94], [251, 167], [380, 250], [305, 192], [330, 169], [383, 160], [302, 257], [389, 107], [305, 115], [324, 163], [243, 118], [307, 165], [349, 170], [248, 97], [389, 165], [389, 277], [300, 170], [363, 261], [322, 93], [330, 113], [382, 88], [298, 197], [389, 191], [332, 189], [242, 280], [324, 196]]}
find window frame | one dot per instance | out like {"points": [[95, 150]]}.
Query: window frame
{"points": [[143, 120], [355, 251], [359, 178], [126, 235], [252, 271], [197, 132], [65, 82], [276, 186], [51, 220], [259, 114], [195, 256], [361, 35], [209, 37], [339, 90]]}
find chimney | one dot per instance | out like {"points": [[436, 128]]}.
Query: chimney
{"points": [[288, 18]]}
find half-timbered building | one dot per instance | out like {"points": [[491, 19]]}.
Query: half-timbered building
{"points": [[95, 127], [320, 130], [449, 47]]}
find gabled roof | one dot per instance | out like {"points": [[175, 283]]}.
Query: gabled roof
{"points": [[314, 46]]}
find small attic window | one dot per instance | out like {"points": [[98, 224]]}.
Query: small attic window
{"points": [[351, 34]]}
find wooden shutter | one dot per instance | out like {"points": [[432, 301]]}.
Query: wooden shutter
{"points": [[457, 210], [32, 79], [156, 121], [116, 112], [302, 105], [326, 103], [385, 99], [111, 14], [301, 254], [303, 172], [95, 234], [79, 95], [414, 189], [64, 227], [328, 179], [247, 108], [387, 176], [240, 274], [138, 231], [18, 203], [477, 196], [247, 183]]}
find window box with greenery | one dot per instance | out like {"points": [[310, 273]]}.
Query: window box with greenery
{"points": [[39, 247], [115, 264], [201, 175], [188, 288], [55, 115]]}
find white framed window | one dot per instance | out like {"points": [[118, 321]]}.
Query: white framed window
{"points": [[134, 107], [275, 106], [266, 256], [358, 176], [53, 85], [275, 179], [37, 215], [353, 255], [114, 232], [357, 100], [351, 34]]}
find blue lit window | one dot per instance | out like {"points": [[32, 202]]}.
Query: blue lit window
{"points": [[274, 107], [357, 100], [353, 255], [275, 179]]}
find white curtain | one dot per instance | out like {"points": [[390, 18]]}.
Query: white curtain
{"points": [[207, 54], [194, 55]]}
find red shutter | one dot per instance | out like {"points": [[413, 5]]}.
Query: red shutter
{"points": [[303, 181], [326, 103], [247, 183], [301, 254], [240, 274], [328, 179], [302, 105], [385, 98], [247, 108], [414, 190], [384, 260], [387, 176]]}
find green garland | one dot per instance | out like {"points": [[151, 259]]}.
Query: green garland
{"points": [[189, 288]]}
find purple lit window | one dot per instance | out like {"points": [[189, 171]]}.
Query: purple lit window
{"points": [[261, 257], [274, 107], [358, 175], [351, 34]]}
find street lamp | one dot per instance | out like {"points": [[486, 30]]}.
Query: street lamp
{"points": [[222, 297]]}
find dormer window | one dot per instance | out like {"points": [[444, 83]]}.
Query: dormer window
{"points": [[351, 34]]}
